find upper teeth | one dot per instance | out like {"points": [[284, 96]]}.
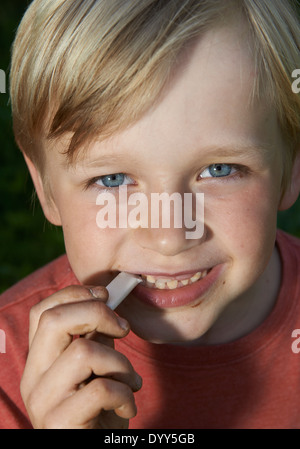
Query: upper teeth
{"points": [[151, 281]]}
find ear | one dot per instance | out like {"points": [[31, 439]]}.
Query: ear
{"points": [[48, 205], [293, 190]]}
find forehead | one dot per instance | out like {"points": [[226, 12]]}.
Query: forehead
{"points": [[207, 103], [211, 88]]}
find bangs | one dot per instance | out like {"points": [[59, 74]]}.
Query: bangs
{"points": [[90, 68]]}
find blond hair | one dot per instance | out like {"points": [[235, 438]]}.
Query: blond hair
{"points": [[92, 67]]}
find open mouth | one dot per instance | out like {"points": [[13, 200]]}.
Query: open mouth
{"points": [[177, 291]]}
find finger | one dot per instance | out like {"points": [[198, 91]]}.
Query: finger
{"points": [[58, 325], [65, 377], [70, 294], [84, 408], [100, 338], [82, 359]]}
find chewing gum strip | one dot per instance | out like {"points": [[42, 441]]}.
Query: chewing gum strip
{"points": [[120, 287]]}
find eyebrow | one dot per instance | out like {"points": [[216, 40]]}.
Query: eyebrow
{"points": [[238, 150], [102, 160], [226, 151], [99, 162]]}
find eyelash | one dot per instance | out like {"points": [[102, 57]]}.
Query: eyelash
{"points": [[240, 170], [94, 182]]}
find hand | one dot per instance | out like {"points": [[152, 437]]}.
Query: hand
{"points": [[77, 382]]}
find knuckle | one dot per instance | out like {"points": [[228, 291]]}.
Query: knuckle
{"points": [[62, 296], [106, 389], [49, 318], [102, 387], [34, 313], [82, 350]]}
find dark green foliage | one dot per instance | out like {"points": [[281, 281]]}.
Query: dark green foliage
{"points": [[27, 240]]}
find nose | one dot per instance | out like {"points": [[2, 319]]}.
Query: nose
{"points": [[167, 242], [173, 230]]}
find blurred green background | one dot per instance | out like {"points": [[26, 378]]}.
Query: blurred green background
{"points": [[27, 241]]}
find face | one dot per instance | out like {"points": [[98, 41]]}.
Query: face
{"points": [[202, 136]]}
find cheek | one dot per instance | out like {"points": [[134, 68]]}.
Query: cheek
{"points": [[91, 250], [245, 221]]}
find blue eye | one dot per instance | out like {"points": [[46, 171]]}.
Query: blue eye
{"points": [[114, 180], [218, 171]]}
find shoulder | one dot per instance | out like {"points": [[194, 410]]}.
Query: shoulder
{"points": [[40, 283], [289, 250], [288, 238], [289, 247], [15, 305]]}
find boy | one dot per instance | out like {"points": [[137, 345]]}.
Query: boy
{"points": [[166, 96]]}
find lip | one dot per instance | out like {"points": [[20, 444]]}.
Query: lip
{"points": [[177, 297]]}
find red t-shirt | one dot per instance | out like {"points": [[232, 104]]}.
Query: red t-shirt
{"points": [[253, 382]]}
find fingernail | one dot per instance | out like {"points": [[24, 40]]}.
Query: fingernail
{"points": [[98, 292], [139, 381], [123, 323]]}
